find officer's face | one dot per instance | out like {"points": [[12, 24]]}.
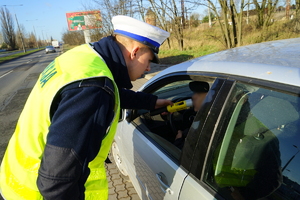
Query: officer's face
{"points": [[139, 62], [198, 99]]}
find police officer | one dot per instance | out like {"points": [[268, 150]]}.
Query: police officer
{"points": [[68, 123]]}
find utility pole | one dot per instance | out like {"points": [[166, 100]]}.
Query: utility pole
{"points": [[43, 37], [37, 41], [248, 12], [24, 49]]}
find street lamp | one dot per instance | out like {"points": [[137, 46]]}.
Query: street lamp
{"points": [[24, 49], [37, 42], [288, 162], [47, 39]]}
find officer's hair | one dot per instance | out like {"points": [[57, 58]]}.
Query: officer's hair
{"points": [[125, 41]]}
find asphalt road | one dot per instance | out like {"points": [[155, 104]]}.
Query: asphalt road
{"points": [[17, 79]]}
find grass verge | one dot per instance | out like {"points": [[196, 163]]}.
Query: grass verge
{"points": [[5, 52], [10, 57], [174, 56], [67, 47]]}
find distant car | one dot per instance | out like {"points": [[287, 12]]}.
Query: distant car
{"points": [[50, 49], [244, 141]]}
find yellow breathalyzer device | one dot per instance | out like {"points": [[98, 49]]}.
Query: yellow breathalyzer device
{"points": [[181, 105]]}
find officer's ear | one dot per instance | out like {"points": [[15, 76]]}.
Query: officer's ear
{"points": [[134, 51]]}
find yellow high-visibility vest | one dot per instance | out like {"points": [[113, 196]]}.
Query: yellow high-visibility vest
{"points": [[21, 162]]}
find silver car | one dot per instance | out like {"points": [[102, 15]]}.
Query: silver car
{"points": [[49, 49], [242, 144]]}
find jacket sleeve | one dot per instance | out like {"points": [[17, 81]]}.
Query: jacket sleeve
{"points": [[137, 100], [78, 125]]}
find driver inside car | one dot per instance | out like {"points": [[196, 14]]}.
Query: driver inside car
{"points": [[200, 90]]}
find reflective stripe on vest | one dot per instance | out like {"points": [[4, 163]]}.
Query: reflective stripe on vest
{"points": [[19, 168]]}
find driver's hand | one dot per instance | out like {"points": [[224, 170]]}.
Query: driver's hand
{"points": [[179, 134], [162, 103]]}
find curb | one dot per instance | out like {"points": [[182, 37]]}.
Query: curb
{"points": [[20, 57]]}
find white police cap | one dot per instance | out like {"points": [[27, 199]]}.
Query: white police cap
{"points": [[142, 32]]}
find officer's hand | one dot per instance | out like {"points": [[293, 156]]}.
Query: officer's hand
{"points": [[162, 103]]}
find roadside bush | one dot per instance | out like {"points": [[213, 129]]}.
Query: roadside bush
{"points": [[4, 46]]}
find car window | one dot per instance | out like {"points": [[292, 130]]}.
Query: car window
{"points": [[162, 128], [174, 89], [256, 152]]}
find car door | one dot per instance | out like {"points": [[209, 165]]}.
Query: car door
{"points": [[198, 141], [152, 160], [253, 150]]}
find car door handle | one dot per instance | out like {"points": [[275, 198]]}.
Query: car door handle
{"points": [[164, 187]]}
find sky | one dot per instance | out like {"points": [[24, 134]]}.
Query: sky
{"points": [[47, 17]]}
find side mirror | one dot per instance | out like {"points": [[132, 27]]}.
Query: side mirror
{"points": [[129, 115]]}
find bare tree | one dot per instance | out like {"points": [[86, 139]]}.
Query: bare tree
{"points": [[265, 10], [31, 40], [169, 18], [297, 8], [141, 9], [230, 19], [169, 13], [7, 25]]}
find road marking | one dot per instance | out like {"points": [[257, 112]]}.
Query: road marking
{"points": [[29, 61], [6, 73]]}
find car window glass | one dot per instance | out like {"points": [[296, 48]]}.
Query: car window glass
{"points": [[174, 89], [162, 128], [256, 153]]}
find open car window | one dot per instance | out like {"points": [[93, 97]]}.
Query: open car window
{"points": [[161, 129]]}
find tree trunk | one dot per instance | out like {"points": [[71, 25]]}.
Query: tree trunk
{"points": [[240, 23], [224, 8], [212, 7], [233, 23], [271, 7]]}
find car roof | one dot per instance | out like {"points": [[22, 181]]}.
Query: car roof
{"points": [[276, 61]]}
